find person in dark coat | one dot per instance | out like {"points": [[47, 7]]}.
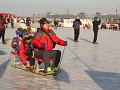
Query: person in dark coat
{"points": [[55, 24], [119, 25], [28, 22], [96, 24], [76, 26], [2, 30], [12, 23]]}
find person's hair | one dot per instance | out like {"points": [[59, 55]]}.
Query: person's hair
{"points": [[19, 32], [18, 21], [95, 18], [27, 37], [27, 18], [28, 29], [77, 17], [38, 29], [43, 21], [78, 20], [19, 29]]}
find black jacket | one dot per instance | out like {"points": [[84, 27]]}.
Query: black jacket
{"points": [[76, 24], [95, 24], [3, 22]]}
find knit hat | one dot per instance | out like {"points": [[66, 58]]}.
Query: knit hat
{"points": [[43, 21], [95, 18]]}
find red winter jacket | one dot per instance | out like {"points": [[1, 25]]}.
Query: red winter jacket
{"points": [[41, 37], [22, 51]]}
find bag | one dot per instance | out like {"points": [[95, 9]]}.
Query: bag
{"points": [[76, 25], [1, 25], [54, 44], [15, 44]]}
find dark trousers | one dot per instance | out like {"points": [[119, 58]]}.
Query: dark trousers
{"points": [[55, 26], [46, 55], [76, 34], [2, 34], [12, 25], [95, 35], [32, 60]]}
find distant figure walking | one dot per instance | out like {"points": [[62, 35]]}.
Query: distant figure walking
{"points": [[76, 26], [28, 22], [12, 23], [55, 24], [96, 22], [119, 25]]}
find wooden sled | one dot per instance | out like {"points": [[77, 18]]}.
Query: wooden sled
{"points": [[37, 68]]}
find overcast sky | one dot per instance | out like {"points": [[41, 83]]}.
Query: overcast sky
{"points": [[30, 7]]}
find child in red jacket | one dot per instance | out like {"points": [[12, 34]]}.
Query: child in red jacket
{"points": [[26, 51]]}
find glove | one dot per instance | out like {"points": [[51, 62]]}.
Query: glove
{"points": [[43, 45], [65, 43], [14, 45]]}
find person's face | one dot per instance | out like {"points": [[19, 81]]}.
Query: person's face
{"points": [[46, 26]]}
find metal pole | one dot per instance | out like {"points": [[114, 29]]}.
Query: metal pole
{"points": [[61, 57]]}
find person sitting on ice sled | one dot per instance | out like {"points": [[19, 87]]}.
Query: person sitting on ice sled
{"points": [[44, 42], [26, 52], [16, 41]]}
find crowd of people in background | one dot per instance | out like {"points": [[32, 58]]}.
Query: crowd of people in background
{"points": [[26, 22], [112, 24]]}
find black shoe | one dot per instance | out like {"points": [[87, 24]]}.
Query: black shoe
{"points": [[76, 41], [95, 43], [4, 43]]}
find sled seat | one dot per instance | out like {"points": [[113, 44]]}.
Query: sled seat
{"points": [[41, 60], [14, 55]]}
